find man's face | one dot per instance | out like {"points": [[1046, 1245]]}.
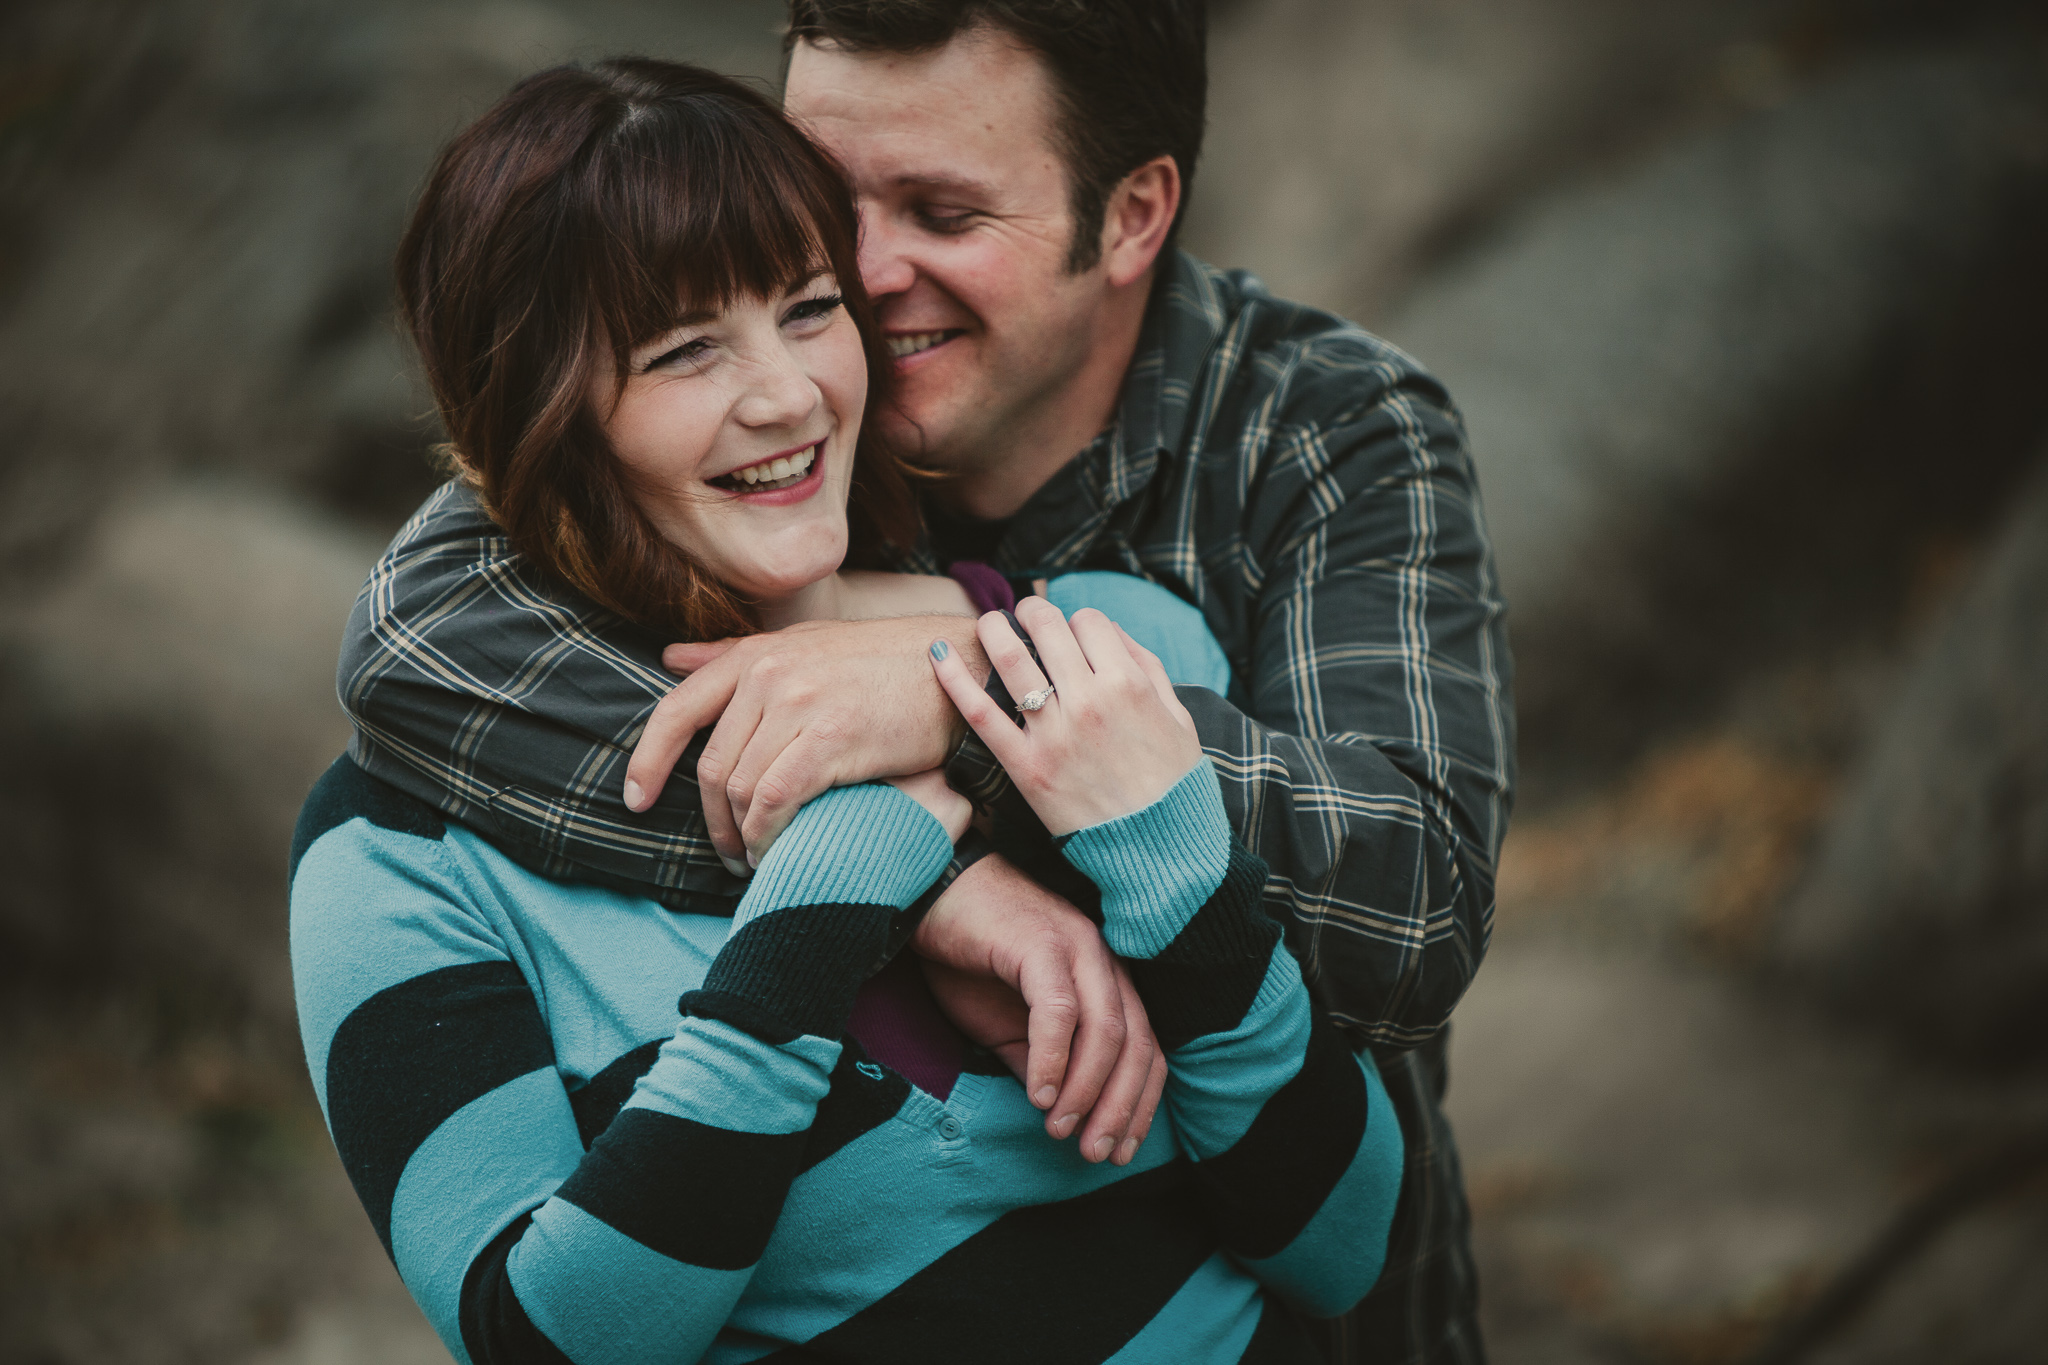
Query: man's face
{"points": [[965, 234]]}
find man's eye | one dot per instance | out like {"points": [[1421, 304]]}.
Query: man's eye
{"points": [[946, 220]]}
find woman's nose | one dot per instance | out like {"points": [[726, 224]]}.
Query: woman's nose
{"points": [[780, 392]]}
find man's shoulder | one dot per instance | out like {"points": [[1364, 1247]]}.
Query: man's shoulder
{"points": [[1300, 363]]}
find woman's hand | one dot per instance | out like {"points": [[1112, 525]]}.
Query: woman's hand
{"points": [[947, 806], [1111, 740]]}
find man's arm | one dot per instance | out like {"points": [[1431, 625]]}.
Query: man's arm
{"points": [[1372, 759]]}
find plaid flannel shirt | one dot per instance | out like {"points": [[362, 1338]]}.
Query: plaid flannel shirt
{"points": [[1307, 487]]}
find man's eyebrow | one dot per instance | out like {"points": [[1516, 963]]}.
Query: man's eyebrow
{"points": [[961, 184]]}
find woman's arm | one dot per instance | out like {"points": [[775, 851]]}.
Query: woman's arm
{"points": [[1296, 1149], [435, 1069]]}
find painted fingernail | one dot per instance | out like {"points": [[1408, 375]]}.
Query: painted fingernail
{"points": [[1103, 1147], [1045, 1096], [735, 866], [940, 649], [1129, 1150], [1065, 1126], [636, 799]]}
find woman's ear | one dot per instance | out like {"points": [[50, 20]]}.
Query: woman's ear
{"points": [[1137, 218]]}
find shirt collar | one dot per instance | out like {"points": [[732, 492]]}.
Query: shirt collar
{"points": [[1185, 315]]}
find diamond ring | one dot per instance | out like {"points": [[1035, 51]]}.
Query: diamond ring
{"points": [[1032, 701]]}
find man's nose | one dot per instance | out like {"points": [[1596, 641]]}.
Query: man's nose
{"points": [[780, 391], [884, 267]]}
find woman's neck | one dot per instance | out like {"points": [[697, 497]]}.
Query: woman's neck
{"points": [[824, 600]]}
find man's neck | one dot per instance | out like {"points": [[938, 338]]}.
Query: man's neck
{"points": [[1047, 440]]}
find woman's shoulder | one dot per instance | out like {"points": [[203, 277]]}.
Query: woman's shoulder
{"points": [[1154, 616]]}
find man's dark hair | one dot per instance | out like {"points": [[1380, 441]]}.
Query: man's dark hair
{"points": [[1131, 78]]}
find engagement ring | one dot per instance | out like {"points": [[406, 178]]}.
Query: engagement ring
{"points": [[1032, 701]]}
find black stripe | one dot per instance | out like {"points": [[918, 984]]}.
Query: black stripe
{"points": [[601, 1097], [410, 1056], [1070, 1281], [696, 1193], [801, 966], [1280, 1339], [345, 791], [494, 1325], [1206, 979], [1265, 1189], [858, 1103]]}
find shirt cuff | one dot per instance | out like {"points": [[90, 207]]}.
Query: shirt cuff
{"points": [[1158, 866]]}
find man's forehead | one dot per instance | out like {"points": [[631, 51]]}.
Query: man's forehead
{"points": [[926, 113]]}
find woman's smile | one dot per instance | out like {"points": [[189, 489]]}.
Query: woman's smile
{"points": [[779, 480]]}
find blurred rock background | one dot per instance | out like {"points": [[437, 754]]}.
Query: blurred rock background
{"points": [[1743, 304]]}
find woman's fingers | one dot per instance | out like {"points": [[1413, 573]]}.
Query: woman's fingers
{"points": [[1103, 640], [1091, 995], [1154, 671], [1148, 1108], [983, 716], [1055, 643], [1007, 653]]}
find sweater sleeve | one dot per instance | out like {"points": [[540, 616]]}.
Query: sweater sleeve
{"points": [[1297, 1152], [442, 1096]]}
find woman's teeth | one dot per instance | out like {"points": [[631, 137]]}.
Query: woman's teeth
{"points": [[910, 343], [781, 472]]}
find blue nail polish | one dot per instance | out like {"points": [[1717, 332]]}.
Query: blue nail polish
{"points": [[940, 649]]}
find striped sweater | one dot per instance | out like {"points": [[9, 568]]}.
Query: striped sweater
{"points": [[564, 1168]]}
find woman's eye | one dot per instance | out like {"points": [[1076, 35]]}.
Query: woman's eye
{"points": [[689, 350], [812, 309]]}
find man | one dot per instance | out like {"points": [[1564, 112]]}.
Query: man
{"points": [[1022, 166], [1102, 401]]}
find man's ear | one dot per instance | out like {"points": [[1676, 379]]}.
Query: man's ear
{"points": [[1137, 218]]}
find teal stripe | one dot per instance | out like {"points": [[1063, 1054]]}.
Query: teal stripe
{"points": [[604, 1299], [1337, 1258], [494, 1159], [716, 1074], [1222, 1080], [1211, 1317], [1157, 866], [865, 845]]}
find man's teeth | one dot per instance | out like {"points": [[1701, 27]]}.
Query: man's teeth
{"points": [[913, 342], [780, 472]]}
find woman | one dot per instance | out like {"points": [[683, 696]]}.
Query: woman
{"points": [[559, 1167]]}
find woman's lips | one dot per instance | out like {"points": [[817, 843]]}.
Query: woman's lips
{"points": [[783, 494]]}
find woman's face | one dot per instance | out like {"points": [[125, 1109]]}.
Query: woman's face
{"points": [[737, 432]]}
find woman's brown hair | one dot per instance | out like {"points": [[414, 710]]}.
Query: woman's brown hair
{"points": [[577, 218]]}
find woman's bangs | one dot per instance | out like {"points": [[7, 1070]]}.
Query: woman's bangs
{"points": [[725, 214]]}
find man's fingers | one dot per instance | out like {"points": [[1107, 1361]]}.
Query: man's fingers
{"points": [[728, 744], [1099, 1038], [689, 706], [1055, 1010], [801, 771], [1116, 1109], [1148, 1108], [691, 657]]}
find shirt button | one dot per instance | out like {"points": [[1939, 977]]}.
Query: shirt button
{"points": [[949, 1128]]}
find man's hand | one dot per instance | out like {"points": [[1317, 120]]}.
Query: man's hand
{"points": [[819, 705], [1089, 1050]]}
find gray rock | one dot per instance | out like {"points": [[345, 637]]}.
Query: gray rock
{"points": [[1926, 905], [1704, 395]]}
